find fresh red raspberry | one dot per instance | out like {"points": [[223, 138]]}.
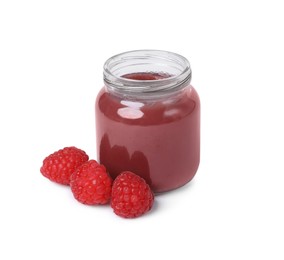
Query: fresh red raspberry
{"points": [[91, 184], [131, 196], [59, 166]]}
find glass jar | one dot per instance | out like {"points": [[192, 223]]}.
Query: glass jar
{"points": [[148, 118]]}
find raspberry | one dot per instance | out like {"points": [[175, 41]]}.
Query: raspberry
{"points": [[91, 184], [59, 166], [131, 196]]}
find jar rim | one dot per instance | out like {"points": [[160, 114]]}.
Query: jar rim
{"points": [[173, 64]]}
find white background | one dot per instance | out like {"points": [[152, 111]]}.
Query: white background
{"points": [[51, 58]]}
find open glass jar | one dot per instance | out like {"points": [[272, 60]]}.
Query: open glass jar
{"points": [[148, 118]]}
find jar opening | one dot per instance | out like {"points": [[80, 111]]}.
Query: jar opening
{"points": [[146, 71]]}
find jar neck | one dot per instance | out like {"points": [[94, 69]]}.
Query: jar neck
{"points": [[161, 73]]}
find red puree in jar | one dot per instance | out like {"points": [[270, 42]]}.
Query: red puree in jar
{"points": [[157, 139], [146, 76]]}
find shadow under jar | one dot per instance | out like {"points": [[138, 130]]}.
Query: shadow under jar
{"points": [[148, 118]]}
